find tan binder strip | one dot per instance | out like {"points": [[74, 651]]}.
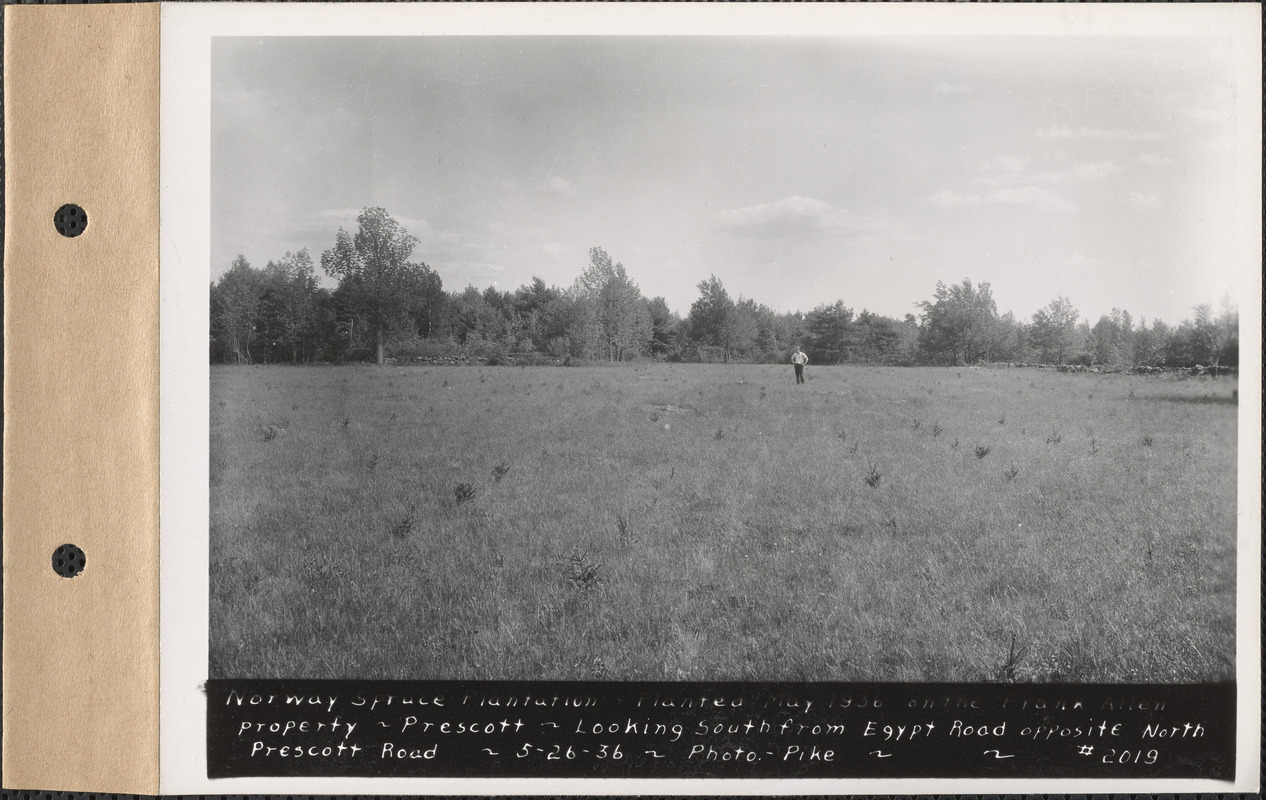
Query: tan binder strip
{"points": [[81, 398]]}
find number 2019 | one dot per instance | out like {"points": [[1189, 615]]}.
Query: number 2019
{"points": [[1131, 757]]}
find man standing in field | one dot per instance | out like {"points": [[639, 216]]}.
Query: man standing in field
{"points": [[798, 360]]}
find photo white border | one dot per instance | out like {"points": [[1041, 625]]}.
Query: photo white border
{"points": [[187, 30]]}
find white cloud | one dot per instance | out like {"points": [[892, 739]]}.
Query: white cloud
{"points": [[559, 186], [340, 214], [346, 218], [1221, 145], [1078, 260], [1026, 196], [1065, 132], [413, 225], [1031, 196], [1011, 170], [1006, 164], [771, 268], [1145, 200], [789, 216], [952, 88], [1091, 172], [1152, 160], [951, 199], [1218, 105], [505, 238], [865, 224]]}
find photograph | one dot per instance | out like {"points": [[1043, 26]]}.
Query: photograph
{"points": [[815, 358]]}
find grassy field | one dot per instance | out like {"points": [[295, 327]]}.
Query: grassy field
{"points": [[692, 522]]}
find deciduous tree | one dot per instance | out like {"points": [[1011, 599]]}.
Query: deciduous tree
{"points": [[289, 306], [712, 317], [1054, 331], [959, 322], [831, 333], [665, 328], [374, 271], [235, 302], [609, 318]]}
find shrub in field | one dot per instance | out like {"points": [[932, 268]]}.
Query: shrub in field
{"points": [[937, 430], [464, 493], [981, 451], [1148, 441], [582, 571], [404, 526], [1010, 473], [1055, 437], [873, 477], [624, 528], [499, 472], [1006, 671]]}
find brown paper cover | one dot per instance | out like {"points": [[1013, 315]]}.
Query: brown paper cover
{"points": [[81, 398]]}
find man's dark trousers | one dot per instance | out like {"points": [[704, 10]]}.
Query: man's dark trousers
{"points": [[799, 372]]}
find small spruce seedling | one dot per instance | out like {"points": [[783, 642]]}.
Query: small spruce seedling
{"points": [[624, 528], [405, 526], [1006, 672], [464, 492], [582, 571], [873, 477]]}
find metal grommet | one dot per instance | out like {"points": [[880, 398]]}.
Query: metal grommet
{"points": [[70, 220], [69, 561]]}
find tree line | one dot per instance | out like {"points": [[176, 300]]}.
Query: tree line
{"points": [[387, 304]]}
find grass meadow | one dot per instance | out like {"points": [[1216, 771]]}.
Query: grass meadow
{"points": [[701, 522]]}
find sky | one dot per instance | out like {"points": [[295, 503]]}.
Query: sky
{"points": [[798, 170]]}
